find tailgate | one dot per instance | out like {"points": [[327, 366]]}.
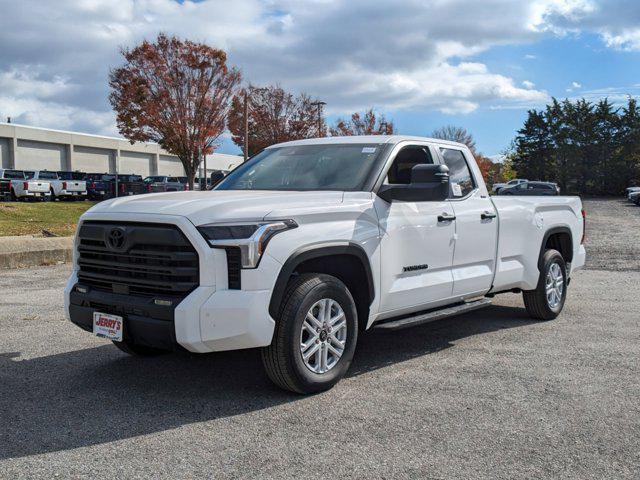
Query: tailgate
{"points": [[38, 186], [73, 186]]}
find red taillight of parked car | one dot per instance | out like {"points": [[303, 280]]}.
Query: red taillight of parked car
{"points": [[122, 187], [584, 227], [64, 185], [148, 188], [25, 185], [92, 185]]}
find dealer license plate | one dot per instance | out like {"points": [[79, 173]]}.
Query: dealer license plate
{"points": [[108, 326]]}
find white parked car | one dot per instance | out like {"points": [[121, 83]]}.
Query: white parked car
{"points": [[59, 188], [511, 183], [308, 244], [24, 189], [631, 192]]}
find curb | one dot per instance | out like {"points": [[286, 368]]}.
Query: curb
{"points": [[27, 251]]}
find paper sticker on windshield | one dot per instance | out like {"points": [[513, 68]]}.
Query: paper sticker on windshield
{"points": [[369, 150], [457, 191]]}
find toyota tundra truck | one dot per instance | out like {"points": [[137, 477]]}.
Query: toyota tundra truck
{"points": [[60, 188], [311, 243], [24, 189]]}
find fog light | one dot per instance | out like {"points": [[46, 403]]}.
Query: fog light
{"points": [[163, 303], [80, 289]]}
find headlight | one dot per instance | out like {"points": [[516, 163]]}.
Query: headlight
{"points": [[251, 239]]}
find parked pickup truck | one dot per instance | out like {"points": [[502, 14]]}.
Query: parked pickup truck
{"points": [[5, 190], [23, 189], [127, 184], [161, 183], [59, 188], [98, 188], [309, 244]]}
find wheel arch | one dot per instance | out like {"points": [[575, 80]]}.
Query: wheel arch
{"points": [[558, 238], [310, 256]]}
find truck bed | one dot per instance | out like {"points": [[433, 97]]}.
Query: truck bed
{"points": [[523, 224]]}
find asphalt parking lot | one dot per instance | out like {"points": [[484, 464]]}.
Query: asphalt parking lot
{"points": [[489, 394]]}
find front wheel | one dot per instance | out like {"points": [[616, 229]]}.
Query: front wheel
{"points": [[315, 335], [547, 300]]}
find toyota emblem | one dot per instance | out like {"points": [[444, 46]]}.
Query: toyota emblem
{"points": [[116, 238]]}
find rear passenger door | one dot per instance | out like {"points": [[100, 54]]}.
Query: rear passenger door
{"points": [[476, 224]]}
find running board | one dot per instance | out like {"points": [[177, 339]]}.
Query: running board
{"points": [[433, 315]]}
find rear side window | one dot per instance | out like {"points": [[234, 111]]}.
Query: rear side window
{"points": [[406, 159], [460, 178]]}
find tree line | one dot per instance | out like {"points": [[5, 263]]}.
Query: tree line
{"points": [[587, 148], [183, 95]]}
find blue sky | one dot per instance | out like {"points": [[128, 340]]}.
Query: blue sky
{"points": [[479, 64]]}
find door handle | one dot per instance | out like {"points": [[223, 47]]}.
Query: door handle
{"points": [[445, 217], [487, 215]]}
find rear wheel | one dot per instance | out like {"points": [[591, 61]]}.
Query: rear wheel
{"points": [[547, 300], [315, 335], [139, 350]]}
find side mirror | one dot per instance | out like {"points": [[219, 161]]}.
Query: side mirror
{"points": [[429, 183]]}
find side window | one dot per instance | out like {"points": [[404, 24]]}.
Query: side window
{"points": [[460, 177], [406, 159]]}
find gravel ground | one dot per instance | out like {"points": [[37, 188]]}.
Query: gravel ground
{"points": [[613, 236], [487, 395]]}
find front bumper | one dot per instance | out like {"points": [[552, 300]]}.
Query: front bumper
{"points": [[210, 318]]}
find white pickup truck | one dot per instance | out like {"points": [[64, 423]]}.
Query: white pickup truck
{"points": [[24, 189], [310, 243], [60, 188]]}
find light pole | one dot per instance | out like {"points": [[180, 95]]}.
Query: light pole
{"points": [[319, 104]]}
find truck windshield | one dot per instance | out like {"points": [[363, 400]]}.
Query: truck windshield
{"points": [[14, 174], [153, 179], [71, 175], [48, 175], [129, 178], [306, 167]]}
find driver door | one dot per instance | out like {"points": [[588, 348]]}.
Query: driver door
{"points": [[417, 241]]}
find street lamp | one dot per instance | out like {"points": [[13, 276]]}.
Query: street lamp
{"points": [[319, 104]]}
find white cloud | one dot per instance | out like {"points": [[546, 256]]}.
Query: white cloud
{"points": [[352, 54], [574, 86]]}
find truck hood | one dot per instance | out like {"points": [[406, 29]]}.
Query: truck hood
{"points": [[217, 205]]}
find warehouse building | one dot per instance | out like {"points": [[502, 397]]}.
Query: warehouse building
{"points": [[31, 148]]}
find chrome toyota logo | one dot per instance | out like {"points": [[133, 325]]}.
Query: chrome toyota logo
{"points": [[116, 238]]}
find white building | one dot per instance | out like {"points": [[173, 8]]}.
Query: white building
{"points": [[31, 148]]}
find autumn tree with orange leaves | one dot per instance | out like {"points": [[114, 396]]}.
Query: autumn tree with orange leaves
{"points": [[274, 116], [176, 93], [363, 124]]}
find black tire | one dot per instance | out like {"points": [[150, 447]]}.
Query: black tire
{"points": [[14, 198], [139, 350], [536, 302], [283, 360]]}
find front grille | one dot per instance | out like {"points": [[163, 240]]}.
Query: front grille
{"points": [[148, 260]]}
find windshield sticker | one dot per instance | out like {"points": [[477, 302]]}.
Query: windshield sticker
{"points": [[369, 150], [457, 191]]}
